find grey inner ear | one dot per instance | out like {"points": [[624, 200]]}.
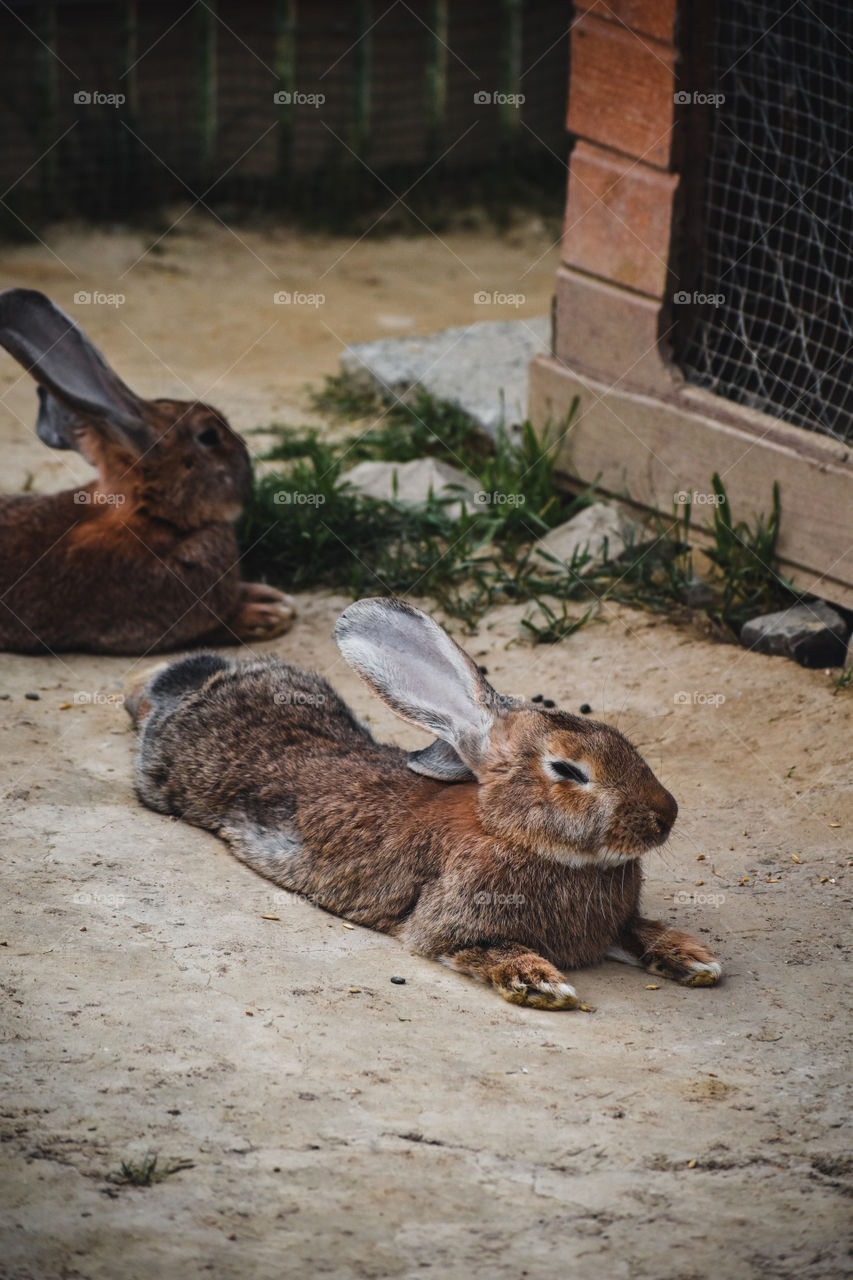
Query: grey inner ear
{"points": [[440, 761], [55, 424], [423, 675], [57, 353]]}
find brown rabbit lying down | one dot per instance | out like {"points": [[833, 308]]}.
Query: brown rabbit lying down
{"points": [[509, 849], [144, 558]]}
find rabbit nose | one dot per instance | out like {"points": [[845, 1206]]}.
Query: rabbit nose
{"points": [[665, 811]]}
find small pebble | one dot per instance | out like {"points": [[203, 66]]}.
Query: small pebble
{"points": [[585, 709], [33, 697], [484, 671], [548, 702], [537, 697], [400, 982]]}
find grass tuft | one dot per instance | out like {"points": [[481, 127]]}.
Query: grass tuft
{"points": [[145, 1173], [306, 527]]}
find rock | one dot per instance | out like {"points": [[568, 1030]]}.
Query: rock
{"points": [[698, 594], [589, 530], [812, 634], [481, 368], [414, 481]]}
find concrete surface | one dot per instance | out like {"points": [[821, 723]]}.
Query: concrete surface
{"points": [[339, 1125], [481, 368]]}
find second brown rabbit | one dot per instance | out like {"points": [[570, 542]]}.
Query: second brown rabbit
{"points": [[145, 557]]}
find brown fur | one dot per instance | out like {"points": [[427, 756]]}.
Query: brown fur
{"points": [[505, 877], [144, 558]]}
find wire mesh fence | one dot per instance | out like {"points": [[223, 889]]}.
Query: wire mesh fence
{"points": [[775, 330], [113, 107]]}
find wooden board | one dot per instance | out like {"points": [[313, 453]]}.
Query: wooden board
{"points": [[622, 88], [618, 219], [654, 18], [654, 448], [600, 328]]}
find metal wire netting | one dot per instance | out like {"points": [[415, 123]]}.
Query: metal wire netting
{"points": [[775, 331], [112, 107]]}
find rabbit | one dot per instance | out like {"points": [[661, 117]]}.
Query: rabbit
{"points": [[509, 849], [144, 558]]}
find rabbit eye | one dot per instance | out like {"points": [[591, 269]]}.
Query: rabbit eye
{"points": [[571, 772], [208, 438]]}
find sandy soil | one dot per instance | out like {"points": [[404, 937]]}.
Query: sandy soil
{"points": [[340, 1125]]}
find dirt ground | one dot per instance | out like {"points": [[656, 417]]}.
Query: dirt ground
{"points": [[337, 1124]]}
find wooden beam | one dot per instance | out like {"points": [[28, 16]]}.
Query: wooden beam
{"points": [[621, 90], [46, 74], [284, 65], [653, 448], [601, 329], [618, 219], [206, 93], [363, 85], [654, 18], [436, 78]]}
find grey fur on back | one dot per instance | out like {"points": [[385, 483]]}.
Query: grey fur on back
{"points": [[206, 710]]}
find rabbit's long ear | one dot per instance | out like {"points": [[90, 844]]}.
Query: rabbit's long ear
{"points": [[55, 424], [57, 353], [424, 676]]}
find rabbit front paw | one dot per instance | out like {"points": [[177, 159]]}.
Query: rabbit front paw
{"points": [[264, 612], [539, 993], [685, 960], [521, 976], [667, 953]]}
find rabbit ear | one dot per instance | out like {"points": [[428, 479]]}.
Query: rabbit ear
{"points": [[55, 424], [57, 353], [440, 761], [421, 673]]}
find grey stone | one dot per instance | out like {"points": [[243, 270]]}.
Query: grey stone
{"points": [[414, 480], [602, 527], [812, 634], [481, 368]]}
